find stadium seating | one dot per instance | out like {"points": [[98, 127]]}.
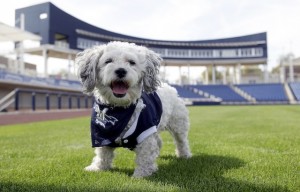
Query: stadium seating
{"points": [[222, 91], [185, 92], [295, 87], [25, 79], [265, 92]]}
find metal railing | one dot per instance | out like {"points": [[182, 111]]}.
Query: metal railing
{"points": [[7, 100]]}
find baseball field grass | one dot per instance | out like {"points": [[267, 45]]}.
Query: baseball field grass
{"points": [[235, 148]]}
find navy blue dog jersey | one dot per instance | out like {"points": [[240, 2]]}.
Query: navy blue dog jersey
{"points": [[125, 127]]}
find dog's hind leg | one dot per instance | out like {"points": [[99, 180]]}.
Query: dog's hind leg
{"points": [[182, 145], [179, 127], [102, 160], [146, 154]]}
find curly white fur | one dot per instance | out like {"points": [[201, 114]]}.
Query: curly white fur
{"points": [[137, 67]]}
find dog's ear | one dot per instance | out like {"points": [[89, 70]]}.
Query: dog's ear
{"points": [[87, 62], [151, 80]]}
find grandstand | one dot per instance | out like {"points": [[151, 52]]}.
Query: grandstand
{"points": [[267, 93], [295, 87], [21, 92], [224, 92], [62, 36], [186, 93]]}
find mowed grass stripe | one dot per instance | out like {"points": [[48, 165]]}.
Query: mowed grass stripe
{"points": [[235, 148]]}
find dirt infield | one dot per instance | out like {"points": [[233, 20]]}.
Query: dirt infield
{"points": [[30, 116]]}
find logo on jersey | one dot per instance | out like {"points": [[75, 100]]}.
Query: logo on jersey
{"points": [[102, 119]]}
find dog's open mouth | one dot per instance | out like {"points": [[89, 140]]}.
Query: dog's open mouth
{"points": [[119, 88]]}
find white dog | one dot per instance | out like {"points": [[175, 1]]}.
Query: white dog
{"points": [[131, 105]]}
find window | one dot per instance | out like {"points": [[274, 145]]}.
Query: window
{"points": [[43, 16], [87, 43], [61, 40]]}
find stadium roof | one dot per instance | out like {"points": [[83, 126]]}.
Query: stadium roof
{"points": [[9, 33]]}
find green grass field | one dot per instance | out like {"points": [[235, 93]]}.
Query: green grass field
{"points": [[235, 148]]}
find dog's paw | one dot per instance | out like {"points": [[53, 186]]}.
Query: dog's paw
{"points": [[92, 168], [140, 173], [186, 156], [183, 154]]}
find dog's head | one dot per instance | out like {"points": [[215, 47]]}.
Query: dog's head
{"points": [[118, 72]]}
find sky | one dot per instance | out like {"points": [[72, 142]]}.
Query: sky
{"points": [[187, 19]]}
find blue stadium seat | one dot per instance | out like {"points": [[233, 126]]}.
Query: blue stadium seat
{"points": [[295, 87], [222, 91], [265, 92], [185, 92]]}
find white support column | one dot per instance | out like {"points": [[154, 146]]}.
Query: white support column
{"points": [[291, 69], [238, 73], [20, 52], [45, 56], [12, 65], [224, 75], [180, 77], [266, 73], [232, 74], [69, 65], [282, 73], [206, 76], [213, 74]]}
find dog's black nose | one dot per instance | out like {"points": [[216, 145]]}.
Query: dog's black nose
{"points": [[121, 72]]}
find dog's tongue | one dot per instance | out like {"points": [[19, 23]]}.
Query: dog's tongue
{"points": [[119, 90], [119, 87]]}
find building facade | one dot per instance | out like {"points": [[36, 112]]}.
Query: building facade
{"points": [[58, 28]]}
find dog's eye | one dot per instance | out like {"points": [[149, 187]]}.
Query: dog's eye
{"points": [[108, 61], [131, 62]]}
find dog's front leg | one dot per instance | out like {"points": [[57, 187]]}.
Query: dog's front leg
{"points": [[102, 160], [146, 154]]}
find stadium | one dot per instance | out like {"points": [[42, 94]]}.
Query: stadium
{"points": [[62, 36], [244, 119]]}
